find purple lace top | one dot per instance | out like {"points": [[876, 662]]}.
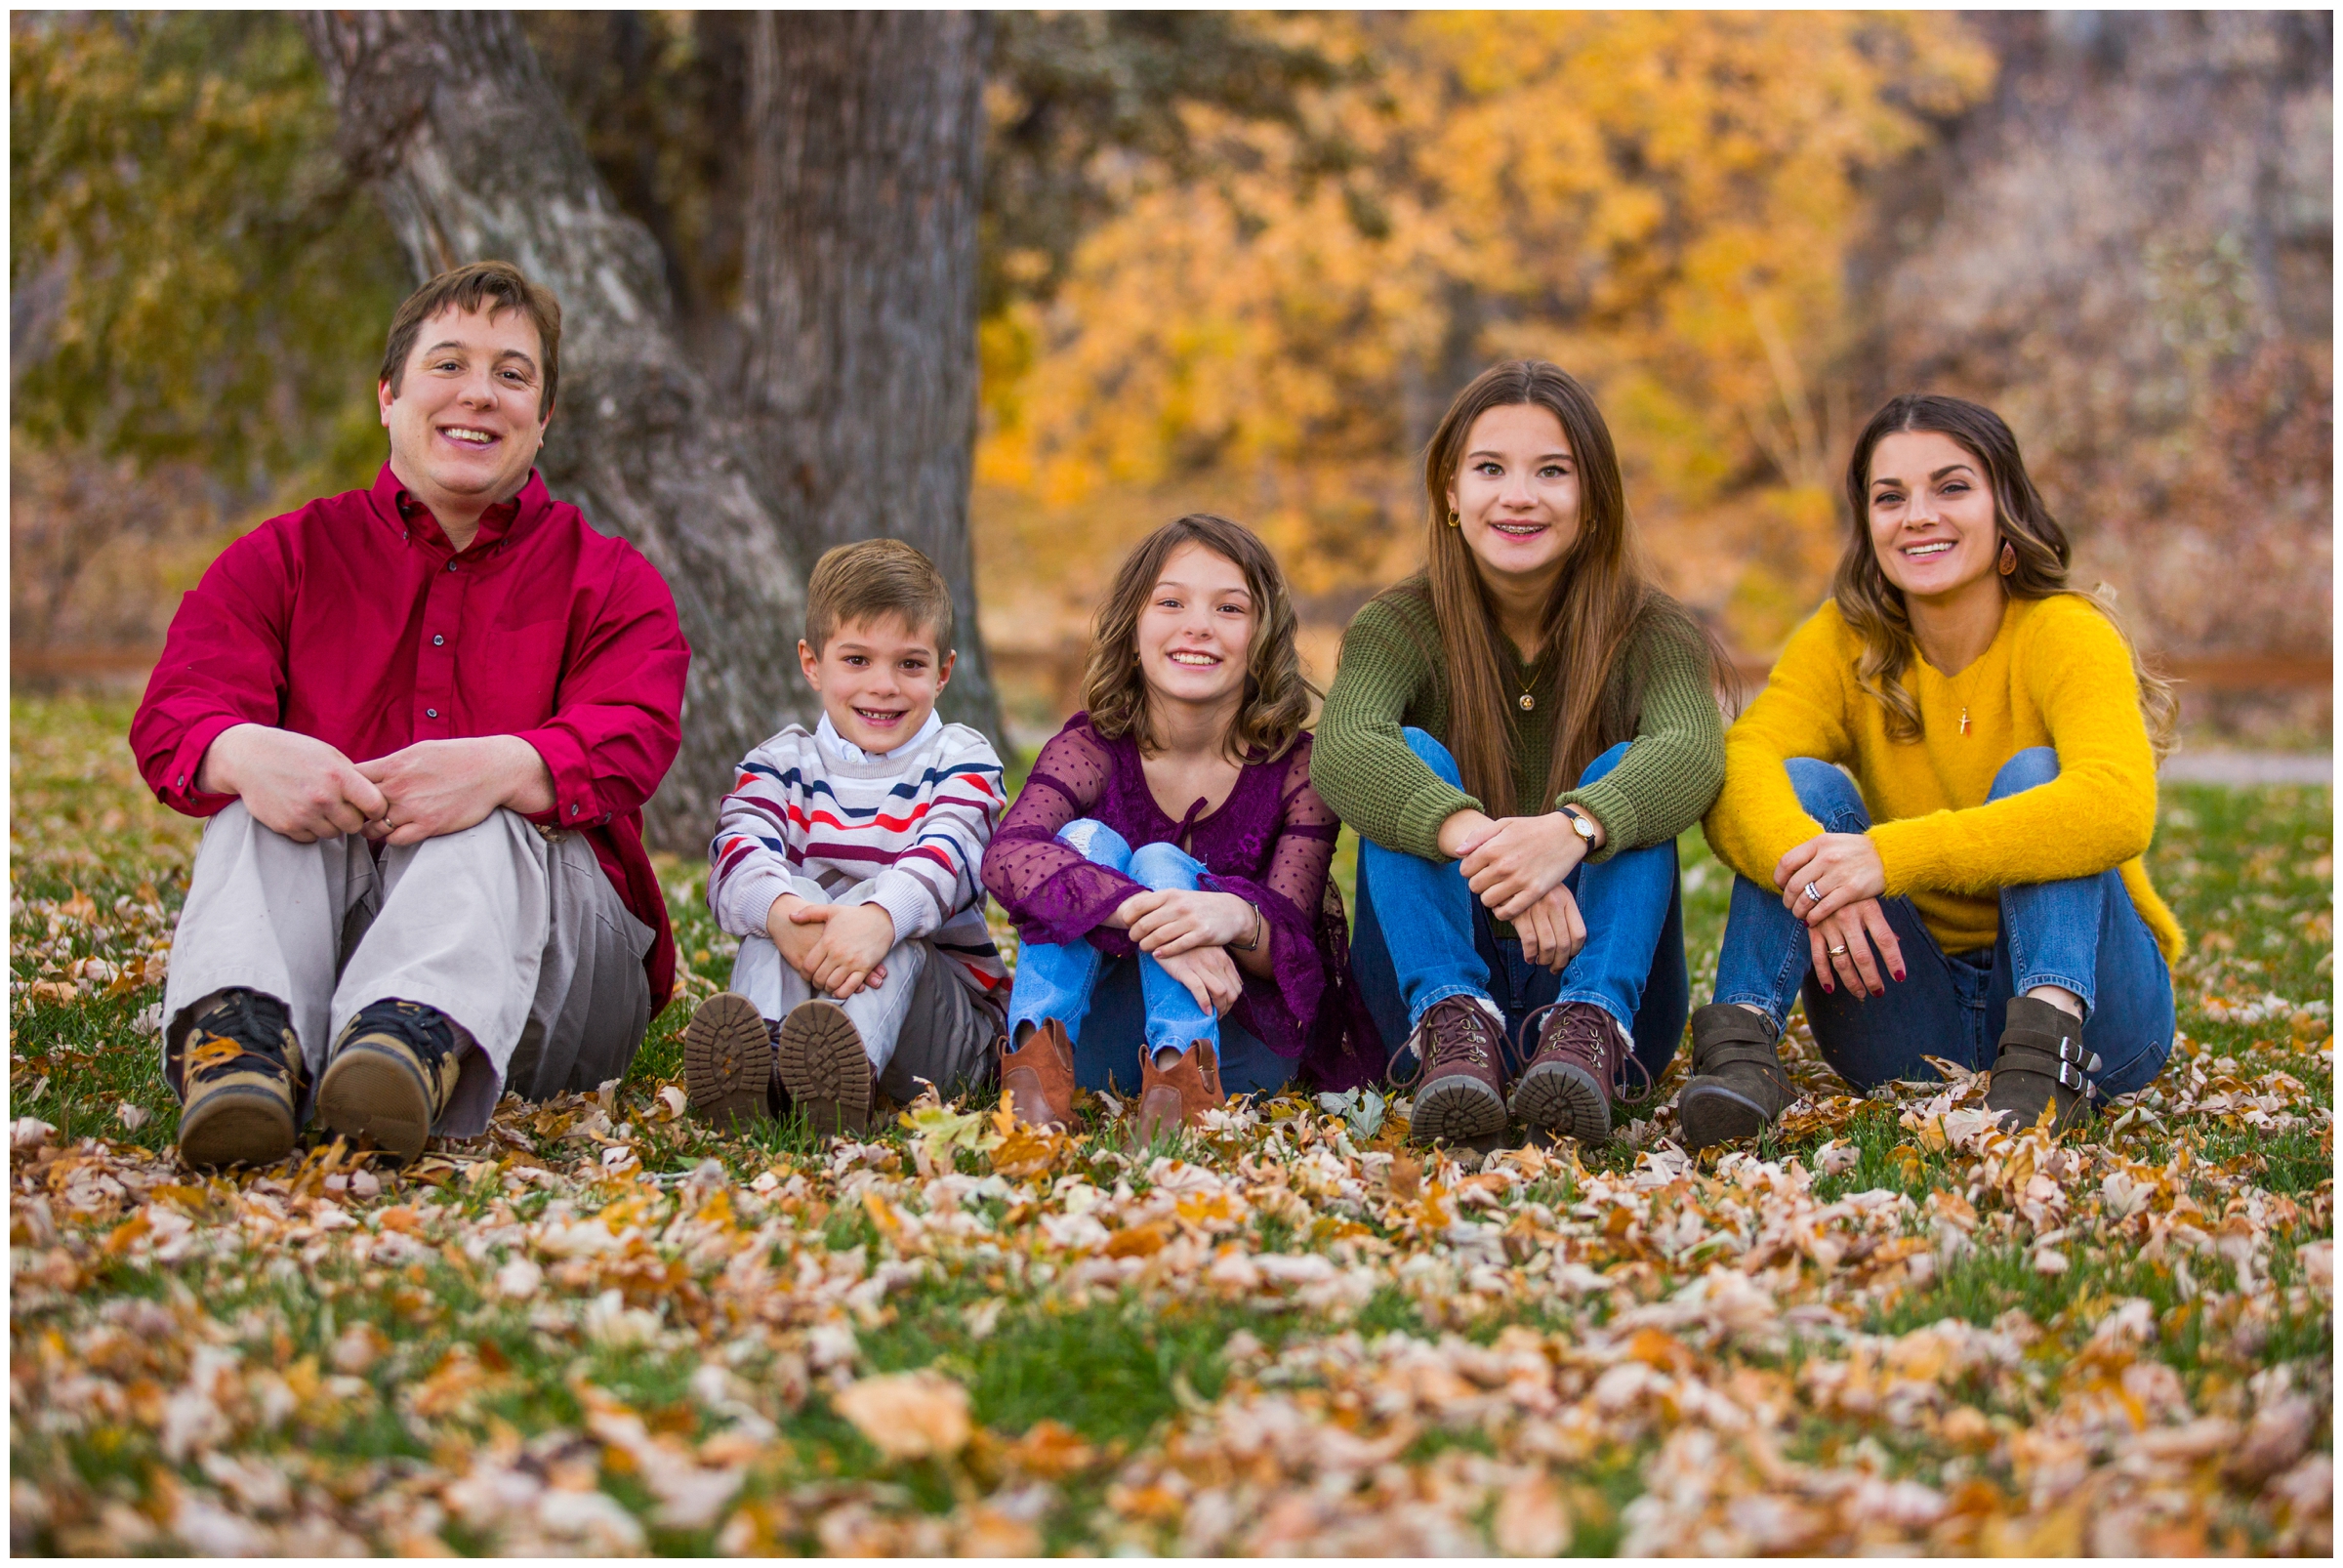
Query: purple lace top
{"points": [[1269, 843]]}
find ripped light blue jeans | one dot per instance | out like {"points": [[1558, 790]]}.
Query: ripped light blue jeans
{"points": [[1111, 1022], [2082, 933]]}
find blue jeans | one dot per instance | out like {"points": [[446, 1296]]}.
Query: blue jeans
{"points": [[1423, 935], [2083, 933], [1118, 1011]]}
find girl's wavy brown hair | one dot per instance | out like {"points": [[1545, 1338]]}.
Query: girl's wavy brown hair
{"points": [[1874, 607], [1276, 705], [1602, 598]]}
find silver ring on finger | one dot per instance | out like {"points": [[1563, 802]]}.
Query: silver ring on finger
{"points": [[1813, 893]]}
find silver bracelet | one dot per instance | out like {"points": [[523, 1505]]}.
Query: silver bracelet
{"points": [[1260, 929]]}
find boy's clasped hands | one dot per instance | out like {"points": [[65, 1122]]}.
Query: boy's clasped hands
{"points": [[838, 948]]}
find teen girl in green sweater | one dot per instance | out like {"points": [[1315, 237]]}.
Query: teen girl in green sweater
{"points": [[1518, 936]]}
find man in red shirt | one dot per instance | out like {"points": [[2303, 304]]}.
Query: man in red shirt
{"points": [[423, 719]]}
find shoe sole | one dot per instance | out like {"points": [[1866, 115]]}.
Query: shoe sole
{"points": [[1562, 1099], [1455, 1110], [824, 1069], [728, 1063], [236, 1126], [1712, 1114], [369, 1093]]}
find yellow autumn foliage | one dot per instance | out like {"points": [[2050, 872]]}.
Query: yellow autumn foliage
{"points": [[1661, 202]]}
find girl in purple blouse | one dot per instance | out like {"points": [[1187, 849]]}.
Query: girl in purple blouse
{"points": [[1166, 861]]}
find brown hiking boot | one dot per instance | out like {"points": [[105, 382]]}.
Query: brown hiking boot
{"points": [[1037, 1079], [2040, 1063], [1458, 1047], [824, 1068], [1175, 1096], [241, 1077], [389, 1074], [1738, 1087], [1568, 1085], [728, 1052]]}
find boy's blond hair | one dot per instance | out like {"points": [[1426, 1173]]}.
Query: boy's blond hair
{"points": [[875, 577]]}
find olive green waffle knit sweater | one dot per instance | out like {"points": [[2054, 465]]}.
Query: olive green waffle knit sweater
{"points": [[1392, 674]]}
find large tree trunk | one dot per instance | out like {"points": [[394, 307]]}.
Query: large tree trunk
{"points": [[449, 116], [865, 148]]}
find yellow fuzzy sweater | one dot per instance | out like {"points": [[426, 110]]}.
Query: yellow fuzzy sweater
{"points": [[2057, 675]]}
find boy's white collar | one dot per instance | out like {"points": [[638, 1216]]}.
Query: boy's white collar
{"points": [[847, 751]]}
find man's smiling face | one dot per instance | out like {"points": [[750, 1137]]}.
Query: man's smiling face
{"points": [[468, 415]]}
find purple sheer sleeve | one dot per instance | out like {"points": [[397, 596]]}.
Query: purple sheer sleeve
{"points": [[1047, 887], [1281, 1009]]}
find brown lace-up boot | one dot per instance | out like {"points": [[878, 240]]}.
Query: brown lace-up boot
{"points": [[2041, 1063], [1179, 1095], [1462, 1079], [1738, 1087], [1568, 1085], [1037, 1077]]}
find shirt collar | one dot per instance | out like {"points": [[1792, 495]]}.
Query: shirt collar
{"points": [[845, 751], [495, 522]]}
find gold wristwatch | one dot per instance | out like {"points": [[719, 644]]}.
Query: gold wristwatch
{"points": [[1580, 824]]}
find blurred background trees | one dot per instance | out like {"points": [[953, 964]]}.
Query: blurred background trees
{"points": [[1242, 261]]}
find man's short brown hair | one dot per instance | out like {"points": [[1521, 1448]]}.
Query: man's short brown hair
{"points": [[499, 286], [860, 582]]}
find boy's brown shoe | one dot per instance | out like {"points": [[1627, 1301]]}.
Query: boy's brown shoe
{"points": [[1462, 1077], [1037, 1079], [728, 1063], [1179, 1095], [390, 1074], [241, 1079], [824, 1068]]}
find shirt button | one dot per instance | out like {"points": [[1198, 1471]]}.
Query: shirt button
{"points": [[573, 810], [436, 640], [430, 713], [451, 565], [182, 781]]}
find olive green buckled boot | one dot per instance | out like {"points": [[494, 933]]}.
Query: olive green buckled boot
{"points": [[1739, 1085]]}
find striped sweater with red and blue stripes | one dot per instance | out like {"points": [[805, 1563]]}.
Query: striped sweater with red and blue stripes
{"points": [[913, 821]]}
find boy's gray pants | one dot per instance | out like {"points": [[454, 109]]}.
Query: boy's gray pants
{"points": [[521, 940], [919, 1024]]}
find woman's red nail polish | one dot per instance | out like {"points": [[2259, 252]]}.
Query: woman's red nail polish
{"points": [[1899, 975]]}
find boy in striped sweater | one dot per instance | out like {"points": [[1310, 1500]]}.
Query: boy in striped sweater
{"points": [[847, 862]]}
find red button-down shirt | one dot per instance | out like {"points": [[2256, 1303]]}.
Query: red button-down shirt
{"points": [[354, 620]]}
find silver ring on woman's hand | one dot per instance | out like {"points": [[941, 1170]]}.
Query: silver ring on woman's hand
{"points": [[1813, 893], [1840, 951]]}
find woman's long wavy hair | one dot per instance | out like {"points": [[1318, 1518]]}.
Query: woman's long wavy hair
{"points": [[1277, 699], [1874, 607], [1601, 596]]}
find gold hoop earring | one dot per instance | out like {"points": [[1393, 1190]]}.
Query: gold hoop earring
{"points": [[1451, 520], [2009, 557]]}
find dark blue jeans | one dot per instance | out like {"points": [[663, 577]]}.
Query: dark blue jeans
{"points": [[1423, 935], [2083, 933]]}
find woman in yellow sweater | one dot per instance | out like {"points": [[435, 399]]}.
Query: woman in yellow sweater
{"points": [[1983, 864]]}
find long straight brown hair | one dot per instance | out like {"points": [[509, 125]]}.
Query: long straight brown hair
{"points": [[1598, 598], [1873, 607]]}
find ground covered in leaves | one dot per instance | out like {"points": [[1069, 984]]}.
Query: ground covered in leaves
{"points": [[600, 1329]]}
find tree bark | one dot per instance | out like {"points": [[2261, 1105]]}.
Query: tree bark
{"points": [[866, 138], [449, 116]]}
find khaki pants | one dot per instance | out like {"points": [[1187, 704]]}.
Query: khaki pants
{"points": [[919, 1024], [521, 941]]}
